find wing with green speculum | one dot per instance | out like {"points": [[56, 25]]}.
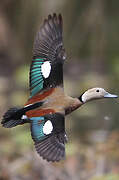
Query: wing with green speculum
{"points": [[46, 70], [48, 133]]}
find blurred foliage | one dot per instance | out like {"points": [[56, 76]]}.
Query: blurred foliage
{"points": [[91, 41], [107, 177]]}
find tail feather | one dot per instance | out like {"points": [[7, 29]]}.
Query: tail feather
{"points": [[16, 116], [12, 118]]}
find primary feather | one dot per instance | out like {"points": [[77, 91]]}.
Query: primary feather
{"points": [[46, 70]]}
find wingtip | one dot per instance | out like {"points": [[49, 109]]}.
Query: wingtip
{"points": [[49, 17], [50, 149], [60, 17], [56, 17], [50, 35]]}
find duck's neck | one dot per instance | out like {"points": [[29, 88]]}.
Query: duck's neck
{"points": [[75, 104]]}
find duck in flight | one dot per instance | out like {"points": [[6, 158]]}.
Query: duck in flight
{"points": [[48, 104]]}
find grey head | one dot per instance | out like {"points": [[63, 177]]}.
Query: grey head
{"points": [[95, 93]]}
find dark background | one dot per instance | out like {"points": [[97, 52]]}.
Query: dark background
{"points": [[91, 38]]}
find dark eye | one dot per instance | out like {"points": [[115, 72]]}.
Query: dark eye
{"points": [[97, 90]]}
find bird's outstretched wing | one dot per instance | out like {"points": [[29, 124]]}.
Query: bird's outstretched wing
{"points": [[48, 133], [46, 70]]}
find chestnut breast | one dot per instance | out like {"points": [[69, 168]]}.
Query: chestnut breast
{"points": [[60, 102]]}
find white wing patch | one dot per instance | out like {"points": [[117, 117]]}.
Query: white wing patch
{"points": [[46, 69], [48, 127], [24, 117]]}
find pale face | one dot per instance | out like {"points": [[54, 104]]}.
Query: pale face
{"points": [[96, 93]]}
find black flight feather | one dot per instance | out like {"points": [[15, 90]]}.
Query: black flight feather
{"points": [[50, 146], [49, 39], [48, 46]]}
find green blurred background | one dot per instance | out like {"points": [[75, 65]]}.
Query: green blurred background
{"points": [[91, 39]]}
